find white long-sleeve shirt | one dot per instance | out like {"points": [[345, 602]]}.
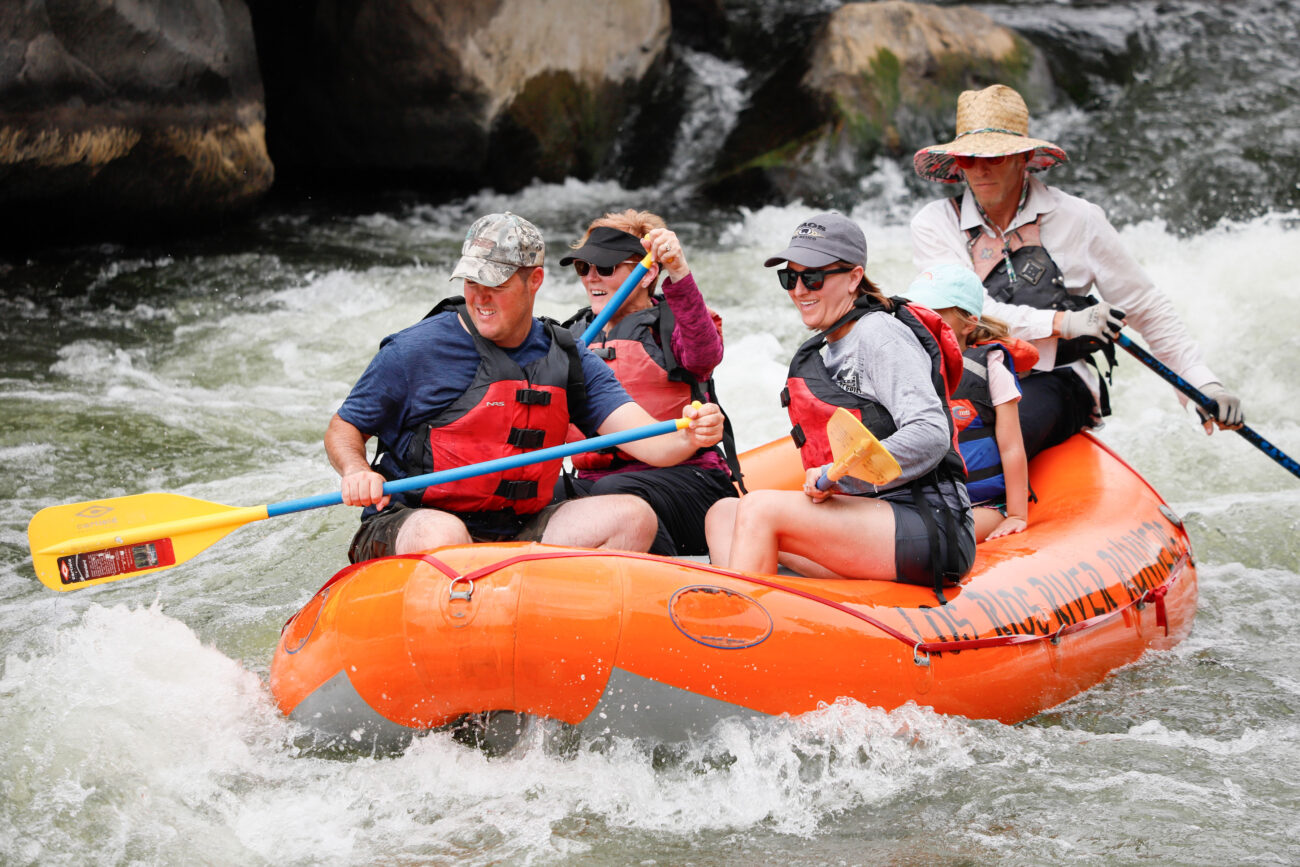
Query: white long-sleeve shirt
{"points": [[1088, 250]]}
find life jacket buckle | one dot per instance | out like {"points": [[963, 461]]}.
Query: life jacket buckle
{"points": [[517, 489], [533, 397], [526, 438]]}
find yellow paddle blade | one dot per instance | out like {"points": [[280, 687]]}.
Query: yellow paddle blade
{"points": [[857, 452], [82, 544]]}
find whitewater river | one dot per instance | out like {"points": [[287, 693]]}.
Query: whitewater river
{"points": [[135, 721]]}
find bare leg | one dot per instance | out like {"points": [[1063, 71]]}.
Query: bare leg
{"points": [[618, 521], [430, 528], [852, 537], [719, 524]]}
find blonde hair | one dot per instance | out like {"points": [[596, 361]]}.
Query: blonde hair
{"points": [[638, 223], [988, 329]]}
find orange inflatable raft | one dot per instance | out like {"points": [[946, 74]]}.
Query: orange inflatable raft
{"points": [[641, 645]]}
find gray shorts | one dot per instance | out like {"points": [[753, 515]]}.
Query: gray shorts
{"points": [[912, 554], [377, 536]]}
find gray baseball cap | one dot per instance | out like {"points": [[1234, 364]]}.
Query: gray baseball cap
{"points": [[823, 239], [496, 246]]}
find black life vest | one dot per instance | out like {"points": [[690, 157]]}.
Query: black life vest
{"points": [[975, 417], [1019, 270], [811, 396], [507, 410]]}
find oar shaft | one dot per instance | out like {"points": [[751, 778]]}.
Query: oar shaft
{"points": [[1206, 403], [416, 483], [598, 324]]}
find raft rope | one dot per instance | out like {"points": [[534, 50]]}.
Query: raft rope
{"points": [[1155, 595]]}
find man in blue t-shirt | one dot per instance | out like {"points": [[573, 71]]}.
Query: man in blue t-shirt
{"points": [[482, 379]]}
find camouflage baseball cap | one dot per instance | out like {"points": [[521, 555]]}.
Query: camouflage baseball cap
{"points": [[496, 246]]}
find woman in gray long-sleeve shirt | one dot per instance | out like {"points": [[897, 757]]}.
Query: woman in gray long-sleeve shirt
{"points": [[869, 357]]}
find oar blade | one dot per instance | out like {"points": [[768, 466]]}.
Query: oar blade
{"points": [[78, 545], [857, 452]]}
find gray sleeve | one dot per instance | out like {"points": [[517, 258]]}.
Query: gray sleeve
{"points": [[881, 359]]}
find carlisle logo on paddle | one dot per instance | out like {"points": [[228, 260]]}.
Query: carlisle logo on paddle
{"points": [[95, 511]]}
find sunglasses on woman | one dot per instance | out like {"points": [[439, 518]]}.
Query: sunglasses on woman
{"points": [[965, 162], [813, 278], [603, 270]]}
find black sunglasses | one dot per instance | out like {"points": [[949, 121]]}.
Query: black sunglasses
{"points": [[603, 270], [813, 278]]}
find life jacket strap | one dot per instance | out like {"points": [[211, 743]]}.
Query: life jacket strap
{"points": [[799, 437], [526, 438], [533, 397], [517, 489]]}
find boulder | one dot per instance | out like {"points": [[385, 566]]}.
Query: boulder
{"points": [[461, 95], [876, 78], [127, 114]]}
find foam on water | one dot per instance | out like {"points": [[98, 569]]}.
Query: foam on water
{"points": [[134, 718]]}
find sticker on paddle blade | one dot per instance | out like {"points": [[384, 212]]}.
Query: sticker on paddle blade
{"points": [[121, 560]]}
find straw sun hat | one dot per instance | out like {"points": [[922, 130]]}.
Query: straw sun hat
{"points": [[990, 122]]}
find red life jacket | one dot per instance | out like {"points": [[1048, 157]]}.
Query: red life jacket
{"points": [[811, 396], [638, 348], [505, 411]]}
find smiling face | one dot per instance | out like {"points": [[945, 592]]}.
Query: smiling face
{"points": [[822, 308], [997, 186], [601, 289], [504, 314]]}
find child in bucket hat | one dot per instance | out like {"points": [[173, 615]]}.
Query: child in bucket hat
{"points": [[985, 406]]}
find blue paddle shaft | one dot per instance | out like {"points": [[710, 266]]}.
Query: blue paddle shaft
{"points": [[598, 324], [1206, 403], [415, 483]]}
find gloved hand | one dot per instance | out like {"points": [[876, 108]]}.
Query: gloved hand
{"points": [[1230, 415], [1102, 321]]}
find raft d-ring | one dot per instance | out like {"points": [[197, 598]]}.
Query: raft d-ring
{"points": [[922, 661], [466, 594], [1056, 636]]}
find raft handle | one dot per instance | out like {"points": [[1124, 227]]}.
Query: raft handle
{"points": [[466, 594]]}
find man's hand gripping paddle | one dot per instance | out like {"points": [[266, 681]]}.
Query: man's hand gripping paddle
{"points": [[856, 452]]}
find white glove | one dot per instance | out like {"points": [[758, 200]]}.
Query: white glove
{"points": [[1229, 406], [1102, 321]]}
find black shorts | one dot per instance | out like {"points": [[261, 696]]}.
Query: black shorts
{"points": [[377, 535], [912, 556], [680, 497], [1054, 406]]}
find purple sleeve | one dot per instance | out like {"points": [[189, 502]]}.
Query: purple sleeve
{"points": [[697, 338]]}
